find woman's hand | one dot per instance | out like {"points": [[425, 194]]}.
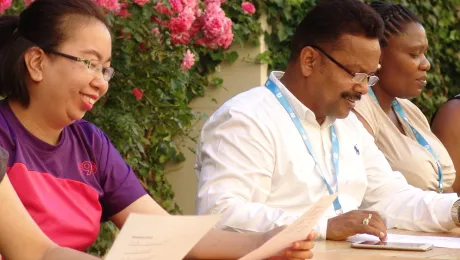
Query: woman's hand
{"points": [[299, 250]]}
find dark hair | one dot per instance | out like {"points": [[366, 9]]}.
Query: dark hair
{"points": [[45, 24], [330, 19], [394, 16]]}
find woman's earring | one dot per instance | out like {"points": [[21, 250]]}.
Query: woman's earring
{"points": [[379, 67]]}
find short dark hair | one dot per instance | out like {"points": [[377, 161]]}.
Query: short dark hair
{"points": [[330, 19], [45, 23], [394, 17]]}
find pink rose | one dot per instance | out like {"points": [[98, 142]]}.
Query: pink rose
{"points": [[176, 6], [214, 21], [214, 9], [225, 40], [141, 2], [248, 8], [155, 19], [183, 21], [178, 25], [213, 26], [196, 27], [138, 93], [162, 8], [124, 35], [4, 4], [156, 31], [188, 13], [188, 61], [190, 3], [214, 1], [180, 38], [28, 2], [112, 5], [142, 47], [123, 12], [217, 27], [157, 34]]}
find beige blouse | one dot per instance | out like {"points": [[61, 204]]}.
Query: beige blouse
{"points": [[403, 152]]}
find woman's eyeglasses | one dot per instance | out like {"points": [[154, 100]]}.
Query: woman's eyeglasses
{"points": [[93, 66]]}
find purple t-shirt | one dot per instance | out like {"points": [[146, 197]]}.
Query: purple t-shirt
{"points": [[71, 187]]}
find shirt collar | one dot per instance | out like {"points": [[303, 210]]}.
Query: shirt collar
{"points": [[303, 112]]}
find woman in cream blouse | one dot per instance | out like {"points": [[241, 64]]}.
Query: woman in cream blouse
{"points": [[400, 129]]}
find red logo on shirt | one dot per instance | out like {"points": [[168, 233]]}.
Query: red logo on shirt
{"points": [[88, 168]]}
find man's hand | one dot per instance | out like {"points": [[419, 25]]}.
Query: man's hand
{"points": [[299, 250], [352, 223]]}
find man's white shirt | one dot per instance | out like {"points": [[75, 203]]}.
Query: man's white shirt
{"points": [[254, 168]]}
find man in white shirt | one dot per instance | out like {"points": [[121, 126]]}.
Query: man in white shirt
{"points": [[269, 153]]}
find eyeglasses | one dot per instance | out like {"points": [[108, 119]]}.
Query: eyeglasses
{"points": [[358, 77], [93, 66]]}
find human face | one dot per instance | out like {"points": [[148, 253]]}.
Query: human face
{"points": [[337, 91], [404, 64], [69, 88], [357, 77]]}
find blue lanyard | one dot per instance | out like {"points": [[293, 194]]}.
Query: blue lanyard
{"points": [[335, 144], [420, 139]]}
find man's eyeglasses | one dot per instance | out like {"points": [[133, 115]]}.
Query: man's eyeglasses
{"points": [[93, 66], [358, 77]]}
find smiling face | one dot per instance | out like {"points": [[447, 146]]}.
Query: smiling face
{"points": [[68, 88], [404, 64], [336, 92]]}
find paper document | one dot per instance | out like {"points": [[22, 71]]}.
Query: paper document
{"points": [[150, 237], [297, 231], [446, 242]]}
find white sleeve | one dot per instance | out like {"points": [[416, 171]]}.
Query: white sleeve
{"points": [[237, 159], [403, 206]]}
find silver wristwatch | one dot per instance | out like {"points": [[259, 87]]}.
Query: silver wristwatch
{"points": [[454, 212]]}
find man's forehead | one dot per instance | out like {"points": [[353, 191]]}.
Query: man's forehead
{"points": [[357, 51], [356, 44]]}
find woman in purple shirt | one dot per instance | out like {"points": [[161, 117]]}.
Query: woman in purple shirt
{"points": [[18, 230]]}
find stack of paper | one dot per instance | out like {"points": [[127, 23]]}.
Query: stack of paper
{"points": [[149, 237]]}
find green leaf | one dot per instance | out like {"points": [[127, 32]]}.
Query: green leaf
{"points": [[163, 159], [231, 56]]}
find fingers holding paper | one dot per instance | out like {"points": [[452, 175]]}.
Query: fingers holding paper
{"points": [[302, 249], [299, 250], [356, 222], [296, 240]]}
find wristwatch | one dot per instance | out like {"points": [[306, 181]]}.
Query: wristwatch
{"points": [[454, 212]]}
